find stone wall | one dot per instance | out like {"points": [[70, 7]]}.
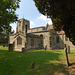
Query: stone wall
{"points": [[61, 41], [45, 40], [34, 42], [57, 40], [50, 39]]}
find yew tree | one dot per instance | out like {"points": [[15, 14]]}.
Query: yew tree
{"points": [[62, 13]]}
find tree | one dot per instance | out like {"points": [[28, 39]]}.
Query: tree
{"points": [[62, 13], [4, 37], [7, 13]]}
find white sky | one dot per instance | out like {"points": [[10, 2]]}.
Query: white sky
{"points": [[29, 11]]}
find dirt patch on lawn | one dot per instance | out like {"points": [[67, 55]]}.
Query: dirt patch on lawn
{"points": [[72, 69]]}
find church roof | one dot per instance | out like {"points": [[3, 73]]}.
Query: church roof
{"points": [[38, 27]]}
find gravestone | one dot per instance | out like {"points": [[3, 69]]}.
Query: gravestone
{"points": [[23, 50], [11, 48], [45, 47], [68, 49], [32, 65], [3, 45]]}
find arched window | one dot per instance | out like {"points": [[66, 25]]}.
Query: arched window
{"points": [[32, 42], [19, 41], [41, 39], [58, 39]]}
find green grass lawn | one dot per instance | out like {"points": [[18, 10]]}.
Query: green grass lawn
{"points": [[46, 62]]}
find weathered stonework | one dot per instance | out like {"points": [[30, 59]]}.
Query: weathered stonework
{"points": [[37, 38]]}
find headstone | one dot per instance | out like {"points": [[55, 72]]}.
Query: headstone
{"points": [[68, 49], [32, 65], [45, 47], [3, 45], [23, 50], [11, 47]]}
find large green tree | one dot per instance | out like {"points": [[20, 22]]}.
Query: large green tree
{"points": [[62, 13], [7, 13]]}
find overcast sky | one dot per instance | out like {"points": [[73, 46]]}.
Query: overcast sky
{"points": [[29, 11]]}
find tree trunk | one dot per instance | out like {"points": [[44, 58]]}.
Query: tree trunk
{"points": [[67, 57]]}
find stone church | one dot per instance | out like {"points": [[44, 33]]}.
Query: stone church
{"points": [[27, 38]]}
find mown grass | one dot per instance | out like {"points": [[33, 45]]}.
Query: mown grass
{"points": [[46, 62]]}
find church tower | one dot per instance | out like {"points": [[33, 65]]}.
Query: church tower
{"points": [[22, 25]]}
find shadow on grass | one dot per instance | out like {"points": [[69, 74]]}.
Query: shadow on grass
{"points": [[17, 63], [72, 64]]}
